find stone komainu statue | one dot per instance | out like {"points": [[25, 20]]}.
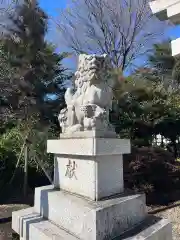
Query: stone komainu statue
{"points": [[89, 102]]}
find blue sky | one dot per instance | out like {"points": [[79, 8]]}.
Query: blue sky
{"points": [[52, 8], [174, 32]]}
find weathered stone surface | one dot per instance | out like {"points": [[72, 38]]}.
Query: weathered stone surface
{"points": [[152, 228], [46, 230], [91, 167], [89, 146], [31, 226], [88, 134], [22, 219], [91, 177], [89, 219], [89, 102]]}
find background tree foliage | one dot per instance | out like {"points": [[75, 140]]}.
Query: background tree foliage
{"points": [[38, 72], [147, 104], [32, 85], [148, 101]]}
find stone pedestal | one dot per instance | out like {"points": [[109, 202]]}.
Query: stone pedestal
{"points": [[91, 167], [88, 200]]}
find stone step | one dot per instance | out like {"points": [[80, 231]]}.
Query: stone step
{"points": [[87, 219], [46, 230], [153, 228], [22, 219], [31, 226]]}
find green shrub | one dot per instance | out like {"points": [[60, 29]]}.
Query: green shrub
{"points": [[11, 143]]}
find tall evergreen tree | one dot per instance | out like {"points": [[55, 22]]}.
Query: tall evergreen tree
{"points": [[38, 72], [167, 66], [161, 59]]}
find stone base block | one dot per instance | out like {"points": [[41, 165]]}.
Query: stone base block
{"points": [[89, 134], [89, 146], [93, 177], [87, 219], [22, 219], [90, 167], [30, 226], [151, 228], [46, 230]]}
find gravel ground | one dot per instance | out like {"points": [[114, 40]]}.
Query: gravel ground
{"points": [[6, 210], [6, 232], [172, 213]]}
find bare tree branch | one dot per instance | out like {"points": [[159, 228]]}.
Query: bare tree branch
{"points": [[121, 29]]}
